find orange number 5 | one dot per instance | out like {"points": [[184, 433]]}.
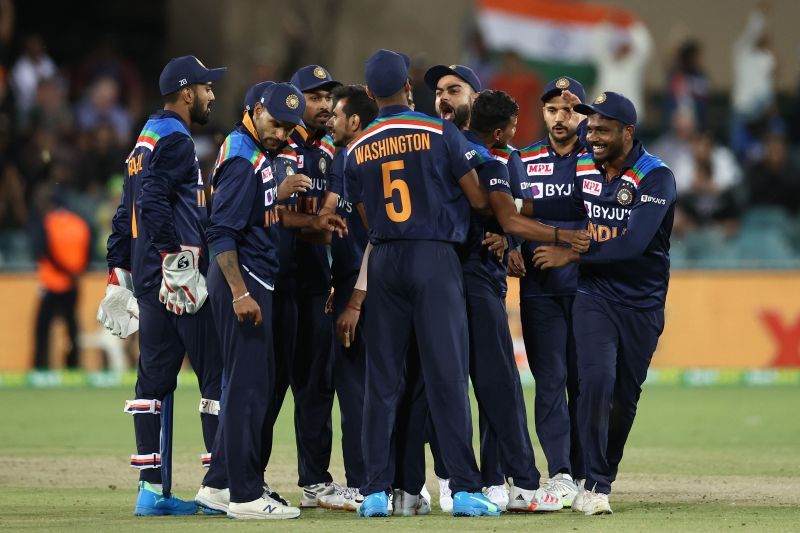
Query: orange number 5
{"points": [[389, 186]]}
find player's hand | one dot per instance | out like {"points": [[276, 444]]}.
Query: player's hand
{"points": [[329, 304], [330, 222], [183, 288], [292, 184], [516, 264], [571, 99], [346, 325], [579, 240], [118, 312], [247, 309], [545, 257], [496, 244]]}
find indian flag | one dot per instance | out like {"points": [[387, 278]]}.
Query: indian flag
{"points": [[555, 37]]}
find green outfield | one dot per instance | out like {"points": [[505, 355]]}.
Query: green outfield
{"points": [[699, 459]]}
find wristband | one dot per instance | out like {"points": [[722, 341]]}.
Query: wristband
{"points": [[556, 228], [353, 307], [240, 298]]}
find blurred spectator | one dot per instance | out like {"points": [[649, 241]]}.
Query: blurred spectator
{"points": [[687, 83], [774, 181], [7, 19], [51, 110], [61, 243], [477, 57], [424, 97], [33, 66], [13, 208], [621, 50], [515, 78], [100, 159], [105, 61], [101, 104]]}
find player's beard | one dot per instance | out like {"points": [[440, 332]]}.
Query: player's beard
{"points": [[461, 116], [563, 136], [199, 113]]}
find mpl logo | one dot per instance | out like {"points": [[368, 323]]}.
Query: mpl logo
{"points": [[266, 174], [592, 187], [540, 169]]}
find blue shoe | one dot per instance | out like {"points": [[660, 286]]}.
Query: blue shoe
{"points": [[473, 504], [152, 503], [375, 505]]}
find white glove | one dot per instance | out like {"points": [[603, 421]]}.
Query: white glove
{"points": [[118, 311], [183, 288]]}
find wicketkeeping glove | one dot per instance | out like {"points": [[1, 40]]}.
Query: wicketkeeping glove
{"points": [[118, 311], [183, 288]]}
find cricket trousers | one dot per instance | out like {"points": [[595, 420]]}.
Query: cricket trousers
{"points": [[348, 378], [164, 338], [614, 346], [416, 288], [249, 379], [550, 345]]}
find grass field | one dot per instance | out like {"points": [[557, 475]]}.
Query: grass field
{"points": [[698, 459]]}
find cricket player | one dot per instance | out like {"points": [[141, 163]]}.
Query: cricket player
{"points": [[618, 314], [352, 111], [546, 296], [242, 236], [157, 261], [417, 183]]}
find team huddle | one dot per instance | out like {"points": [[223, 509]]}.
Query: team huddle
{"points": [[347, 246]]}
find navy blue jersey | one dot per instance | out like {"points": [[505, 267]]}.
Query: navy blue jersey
{"points": [[163, 203], [548, 183], [407, 166], [314, 160], [285, 164], [243, 211], [510, 157], [476, 258], [347, 251], [630, 219]]}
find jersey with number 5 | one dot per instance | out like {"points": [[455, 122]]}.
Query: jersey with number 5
{"points": [[407, 166]]}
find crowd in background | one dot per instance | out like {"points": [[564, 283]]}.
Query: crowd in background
{"points": [[65, 132]]}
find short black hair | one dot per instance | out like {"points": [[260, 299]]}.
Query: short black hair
{"points": [[492, 110], [358, 102]]}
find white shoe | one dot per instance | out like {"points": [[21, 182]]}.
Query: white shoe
{"points": [[312, 493], [445, 496], [213, 499], [406, 504], [334, 501], [498, 494], [390, 506], [263, 508], [425, 494], [564, 487], [352, 499], [577, 502], [532, 501], [275, 496], [595, 503]]}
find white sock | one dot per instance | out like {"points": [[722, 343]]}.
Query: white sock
{"points": [[158, 486]]}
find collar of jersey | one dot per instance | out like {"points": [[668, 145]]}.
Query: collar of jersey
{"points": [[393, 110]]}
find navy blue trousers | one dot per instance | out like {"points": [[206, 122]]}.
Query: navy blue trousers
{"points": [[615, 345], [311, 378], [349, 369], [249, 378], [411, 428], [550, 345], [416, 287], [164, 338]]}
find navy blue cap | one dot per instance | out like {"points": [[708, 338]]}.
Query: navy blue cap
{"points": [[435, 73], [555, 87], [610, 105], [386, 72], [254, 93], [184, 71], [284, 102], [313, 77]]}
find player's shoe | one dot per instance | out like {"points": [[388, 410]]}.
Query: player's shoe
{"points": [[445, 496], [375, 505], [353, 499], [473, 504], [312, 493], [336, 500], [406, 504], [263, 508], [275, 496], [213, 501], [498, 494], [532, 501], [563, 486], [151, 502], [577, 503], [595, 503], [425, 494]]}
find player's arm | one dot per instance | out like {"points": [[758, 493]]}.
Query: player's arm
{"points": [[118, 246], [475, 192], [334, 188], [348, 320], [234, 190], [322, 223]]}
